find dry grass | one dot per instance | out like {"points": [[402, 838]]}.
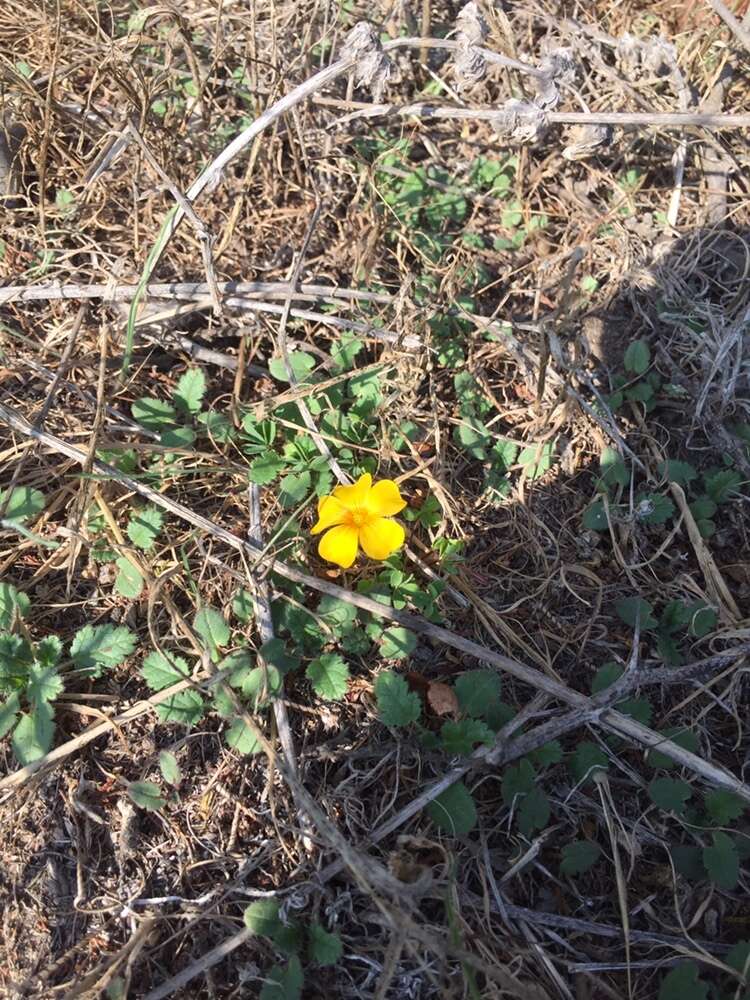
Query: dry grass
{"points": [[96, 892]]}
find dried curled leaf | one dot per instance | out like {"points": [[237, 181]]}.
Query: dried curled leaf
{"points": [[442, 698], [471, 31], [558, 69], [587, 140], [372, 66], [520, 122]]}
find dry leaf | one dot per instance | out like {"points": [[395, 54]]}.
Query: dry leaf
{"points": [[442, 699]]}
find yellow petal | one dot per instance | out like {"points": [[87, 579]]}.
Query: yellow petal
{"points": [[330, 511], [381, 537], [385, 499], [339, 545], [356, 495]]}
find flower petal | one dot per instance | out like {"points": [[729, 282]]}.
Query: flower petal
{"points": [[330, 511], [385, 499], [355, 495], [339, 545], [381, 537]]}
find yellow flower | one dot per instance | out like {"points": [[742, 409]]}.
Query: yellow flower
{"points": [[359, 515]]}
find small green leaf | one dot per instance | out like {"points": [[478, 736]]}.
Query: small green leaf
{"points": [[478, 692], [147, 795], [242, 738], [682, 983], [550, 753], [460, 737], [632, 609], [397, 643], [688, 861], [95, 647], [300, 363], [159, 672], [685, 738], [518, 779], [637, 357], [33, 736], [45, 684], [702, 619], [217, 426], [595, 517], [703, 508], [722, 484], [534, 811], [24, 503], [723, 806], [190, 391], [339, 615], [721, 861], [328, 675], [473, 438], [129, 581], [262, 917], [12, 603], [294, 488], [678, 472], [454, 810], [397, 705], [579, 856], [16, 658], [606, 676], [670, 794], [586, 760], [536, 460], [284, 982], [182, 438], [739, 957], [275, 653], [9, 710], [324, 947], [184, 707], [144, 525], [48, 651], [170, 769], [265, 468], [614, 471], [243, 606], [211, 627], [154, 415], [345, 351]]}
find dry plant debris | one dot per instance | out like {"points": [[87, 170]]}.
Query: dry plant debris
{"points": [[495, 254]]}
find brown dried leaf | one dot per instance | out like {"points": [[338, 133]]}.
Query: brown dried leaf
{"points": [[442, 699]]}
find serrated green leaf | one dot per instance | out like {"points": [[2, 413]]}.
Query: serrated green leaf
{"points": [[217, 426], [160, 672], [678, 472], [284, 982], [654, 508], [34, 733], [294, 488], [534, 811], [223, 702], [579, 856], [682, 983], [129, 581], [144, 525], [606, 676], [397, 643], [723, 806], [181, 438], [23, 503], [48, 651], [190, 390], [275, 653], [670, 794], [454, 810], [478, 692], [722, 861], [154, 414], [184, 707], [13, 603], [324, 947], [397, 705], [550, 753], [211, 627], [518, 779], [586, 760], [328, 675], [536, 460], [460, 737], [473, 438], [300, 363], [722, 484], [632, 609], [265, 468], [339, 615], [637, 357], [9, 710], [259, 684], [241, 737], [95, 647], [16, 658], [262, 917], [146, 795], [45, 684], [703, 508], [170, 769]]}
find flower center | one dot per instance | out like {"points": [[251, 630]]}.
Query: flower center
{"points": [[358, 517]]}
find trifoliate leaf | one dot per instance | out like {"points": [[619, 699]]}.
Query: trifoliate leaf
{"points": [[262, 917], [33, 736], [23, 504], [723, 806], [328, 675], [632, 609], [637, 357], [144, 525], [184, 707], [461, 737], [682, 983], [518, 779], [159, 672], [578, 856], [265, 468], [129, 580], [211, 627], [190, 390], [170, 769], [323, 947], [12, 603], [534, 811], [154, 414], [397, 643], [146, 795], [397, 705], [586, 759], [454, 810], [242, 738], [670, 794], [478, 692], [95, 647], [722, 861], [284, 982]]}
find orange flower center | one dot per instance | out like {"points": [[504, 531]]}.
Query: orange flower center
{"points": [[357, 517]]}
